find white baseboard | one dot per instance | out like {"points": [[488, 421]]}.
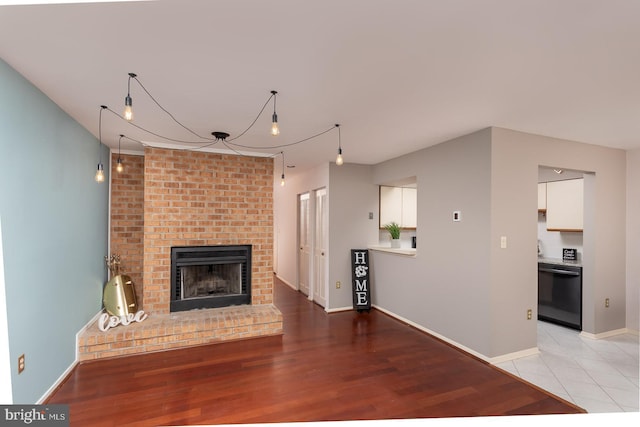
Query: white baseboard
{"points": [[67, 371], [84, 328], [57, 382], [435, 334], [492, 360], [338, 309], [607, 334], [515, 355]]}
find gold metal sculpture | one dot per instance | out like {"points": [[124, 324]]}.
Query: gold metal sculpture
{"points": [[119, 296]]}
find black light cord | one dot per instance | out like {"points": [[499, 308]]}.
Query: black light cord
{"points": [[153, 133], [187, 128], [167, 111], [272, 147], [102, 107], [227, 143], [253, 122]]}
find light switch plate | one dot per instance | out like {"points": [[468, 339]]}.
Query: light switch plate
{"points": [[503, 242]]}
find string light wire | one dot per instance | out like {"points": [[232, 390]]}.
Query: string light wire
{"points": [[228, 143]]}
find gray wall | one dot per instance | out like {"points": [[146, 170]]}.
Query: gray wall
{"points": [[352, 195], [446, 287], [633, 239], [54, 232], [462, 284], [515, 160]]}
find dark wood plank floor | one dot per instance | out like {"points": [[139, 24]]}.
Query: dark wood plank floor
{"points": [[342, 366]]}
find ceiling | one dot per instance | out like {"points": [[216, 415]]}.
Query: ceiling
{"points": [[397, 75]]}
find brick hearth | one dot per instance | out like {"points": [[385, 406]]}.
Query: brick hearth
{"points": [[190, 199], [183, 329]]}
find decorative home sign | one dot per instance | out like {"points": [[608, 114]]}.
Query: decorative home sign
{"points": [[360, 276]]}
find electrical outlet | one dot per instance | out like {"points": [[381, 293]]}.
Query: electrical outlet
{"points": [[21, 363], [529, 314], [606, 302], [338, 284], [503, 242]]}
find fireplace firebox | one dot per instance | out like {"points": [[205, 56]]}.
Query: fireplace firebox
{"points": [[210, 276]]}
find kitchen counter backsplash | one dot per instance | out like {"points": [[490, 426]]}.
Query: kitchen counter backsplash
{"points": [[552, 243]]}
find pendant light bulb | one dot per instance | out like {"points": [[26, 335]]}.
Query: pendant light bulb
{"points": [[120, 166], [99, 177], [128, 102], [100, 173], [128, 111], [339, 159], [275, 130], [282, 178]]}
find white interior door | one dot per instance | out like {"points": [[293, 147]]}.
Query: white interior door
{"points": [[320, 248], [304, 243]]}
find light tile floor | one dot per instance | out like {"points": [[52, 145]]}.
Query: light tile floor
{"points": [[597, 375]]}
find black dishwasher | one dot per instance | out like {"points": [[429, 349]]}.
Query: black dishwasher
{"points": [[560, 294]]}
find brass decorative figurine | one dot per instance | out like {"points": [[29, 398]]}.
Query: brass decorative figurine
{"points": [[119, 296]]}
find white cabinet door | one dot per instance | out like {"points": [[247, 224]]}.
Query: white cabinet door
{"points": [[565, 205], [390, 205], [542, 196], [399, 205], [409, 208]]}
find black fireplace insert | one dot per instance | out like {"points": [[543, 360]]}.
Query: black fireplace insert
{"points": [[210, 276]]}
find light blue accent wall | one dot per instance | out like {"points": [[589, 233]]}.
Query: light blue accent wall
{"points": [[54, 231]]}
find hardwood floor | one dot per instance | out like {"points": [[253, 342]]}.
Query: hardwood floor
{"points": [[340, 366]]}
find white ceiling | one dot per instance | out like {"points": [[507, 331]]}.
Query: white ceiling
{"points": [[398, 75]]}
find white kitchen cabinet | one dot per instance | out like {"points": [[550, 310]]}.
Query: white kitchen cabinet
{"points": [[409, 208], [398, 204], [542, 196], [565, 205]]}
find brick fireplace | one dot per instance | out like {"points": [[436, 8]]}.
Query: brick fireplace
{"points": [[189, 199]]}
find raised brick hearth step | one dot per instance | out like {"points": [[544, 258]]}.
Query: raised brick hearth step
{"points": [[181, 329]]}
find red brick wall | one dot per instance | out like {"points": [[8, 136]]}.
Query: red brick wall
{"points": [[195, 199], [127, 217]]}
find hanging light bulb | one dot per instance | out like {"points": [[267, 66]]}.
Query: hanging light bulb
{"points": [[128, 102], [275, 130], [282, 178], [99, 177], [339, 159], [100, 173], [119, 166]]}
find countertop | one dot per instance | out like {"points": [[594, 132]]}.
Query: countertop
{"points": [[559, 261], [398, 251]]}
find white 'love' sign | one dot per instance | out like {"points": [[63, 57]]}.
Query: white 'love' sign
{"points": [[105, 322]]}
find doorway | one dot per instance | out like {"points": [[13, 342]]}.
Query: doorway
{"points": [[313, 245], [320, 248], [304, 243]]}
